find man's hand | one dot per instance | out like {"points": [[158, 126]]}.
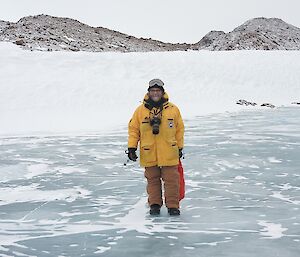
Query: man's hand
{"points": [[132, 154], [180, 153]]}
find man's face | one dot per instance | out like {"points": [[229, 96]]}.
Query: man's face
{"points": [[155, 94]]}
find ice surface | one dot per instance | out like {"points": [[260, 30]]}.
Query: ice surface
{"points": [[72, 195]]}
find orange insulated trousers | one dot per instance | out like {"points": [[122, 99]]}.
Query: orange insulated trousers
{"points": [[170, 177]]}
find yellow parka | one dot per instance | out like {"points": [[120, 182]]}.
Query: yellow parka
{"points": [[161, 149]]}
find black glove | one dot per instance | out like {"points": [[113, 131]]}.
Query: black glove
{"points": [[132, 154], [180, 153]]}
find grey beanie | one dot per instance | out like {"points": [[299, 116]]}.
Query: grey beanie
{"points": [[156, 83]]}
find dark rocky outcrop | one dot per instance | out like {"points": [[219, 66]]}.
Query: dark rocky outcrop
{"points": [[245, 102], [268, 105]]}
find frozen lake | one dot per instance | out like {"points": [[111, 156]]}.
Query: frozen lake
{"points": [[72, 195]]}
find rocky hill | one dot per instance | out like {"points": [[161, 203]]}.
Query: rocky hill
{"points": [[48, 33], [255, 34]]}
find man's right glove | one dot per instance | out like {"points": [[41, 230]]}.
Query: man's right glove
{"points": [[132, 154]]}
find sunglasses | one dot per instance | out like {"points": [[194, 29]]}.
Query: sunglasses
{"points": [[155, 90]]}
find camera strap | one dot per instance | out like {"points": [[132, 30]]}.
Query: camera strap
{"points": [[156, 112]]}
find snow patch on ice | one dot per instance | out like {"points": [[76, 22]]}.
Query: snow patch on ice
{"points": [[32, 193], [271, 230], [70, 170], [36, 170], [12, 172], [253, 166], [240, 178], [22, 170], [102, 249], [278, 195], [137, 220], [273, 160]]}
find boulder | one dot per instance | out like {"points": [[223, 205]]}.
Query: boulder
{"points": [[268, 105], [20, 42], [245, 102]]}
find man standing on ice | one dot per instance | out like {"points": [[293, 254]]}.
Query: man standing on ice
{"points": [[158, 127]]}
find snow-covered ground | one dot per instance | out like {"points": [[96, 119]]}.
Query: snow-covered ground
{"points": [[72, 195], [78, 92]]}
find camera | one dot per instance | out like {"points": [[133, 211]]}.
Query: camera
{"points": [[155, 122]]}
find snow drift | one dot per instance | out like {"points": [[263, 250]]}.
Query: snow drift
{"points": [[69, 92]]}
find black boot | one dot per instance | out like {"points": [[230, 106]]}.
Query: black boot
{"points": [[155, 209], [174, 211]]}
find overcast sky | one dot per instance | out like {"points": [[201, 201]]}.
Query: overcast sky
{"points": [[166, 20]]}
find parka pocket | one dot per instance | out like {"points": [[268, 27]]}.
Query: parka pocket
{"points": [[172, 152], [148, 153]]}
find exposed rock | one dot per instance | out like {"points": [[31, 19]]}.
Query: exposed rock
{"points": [[296, 103], [20, 42], [255, 34], [208, 39], [3, 27], [244, 102], [247, 103], [48, 33], [268, 105]]}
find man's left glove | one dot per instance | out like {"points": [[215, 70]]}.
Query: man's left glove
{"points": [[132, 154], [180, 153]]}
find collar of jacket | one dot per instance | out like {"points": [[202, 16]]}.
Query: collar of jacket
{"points": [[149, 104]]}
